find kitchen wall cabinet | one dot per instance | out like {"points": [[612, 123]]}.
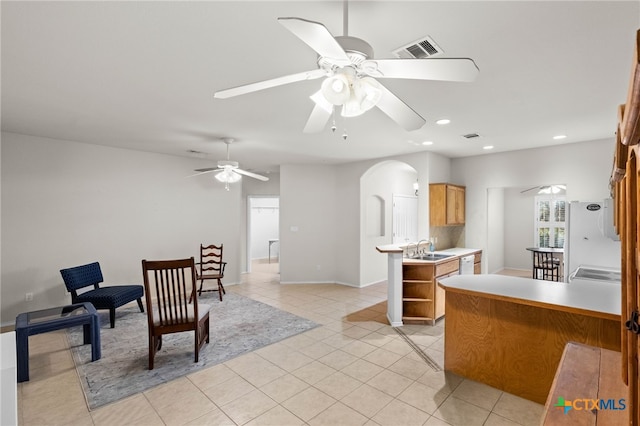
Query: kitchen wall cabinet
{"points": [[422, 298], [446, 204]]}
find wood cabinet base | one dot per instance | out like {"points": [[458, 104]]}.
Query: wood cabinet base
{"points": [[516, 347]]}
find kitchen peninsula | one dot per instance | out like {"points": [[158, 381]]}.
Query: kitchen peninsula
{"points": [[412, 282], [510, 332]]}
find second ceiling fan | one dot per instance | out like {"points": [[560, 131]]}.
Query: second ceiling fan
{"points": [[227, 171], [351, 75]]}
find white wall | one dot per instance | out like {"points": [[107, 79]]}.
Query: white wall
{"points": [[308, 223], [317, 194], [494, 254], [383, 180], [66, 204], [519, 227], [351, 260], [584, 167]]}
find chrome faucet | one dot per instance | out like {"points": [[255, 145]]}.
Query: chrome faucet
{"points": [[409, 249], [418, 246]]}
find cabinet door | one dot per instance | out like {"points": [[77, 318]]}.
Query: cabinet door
{"points": [[437, 205], [440, 299], [452, 195], [446, 204], [460, 193]]}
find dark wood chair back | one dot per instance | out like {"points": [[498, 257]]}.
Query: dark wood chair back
{"points": [[170, 287]]}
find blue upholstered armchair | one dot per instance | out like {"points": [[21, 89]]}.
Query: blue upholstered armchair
{"points": [[109, 297]]}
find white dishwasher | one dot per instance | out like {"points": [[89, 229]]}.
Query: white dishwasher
{"points": [[466, 265]]}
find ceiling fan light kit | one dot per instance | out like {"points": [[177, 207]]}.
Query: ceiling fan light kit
{"points": [[227, 176], [335, 89], [355, 95]]}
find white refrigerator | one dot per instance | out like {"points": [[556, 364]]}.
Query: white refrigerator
{"points": [[591, 236]]}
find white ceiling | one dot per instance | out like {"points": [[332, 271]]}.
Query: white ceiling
{"points": [[141, 75]]}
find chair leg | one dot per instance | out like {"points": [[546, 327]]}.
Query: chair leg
{"points": [[112, 317], [197, 335], [206, 327], [140, 305], [152, 350]]}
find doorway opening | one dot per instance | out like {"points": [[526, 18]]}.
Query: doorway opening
{"points": [[263, 236]]}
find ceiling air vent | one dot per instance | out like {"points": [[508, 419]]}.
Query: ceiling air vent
{"points": [[471, 136], [419, 49]]}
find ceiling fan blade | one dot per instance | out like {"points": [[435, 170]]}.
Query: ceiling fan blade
{"points": [[204, 171], [443, 69], [266, 84], [318, 37], [253, 175], [530, 189], [320, 114], [400, 112]]}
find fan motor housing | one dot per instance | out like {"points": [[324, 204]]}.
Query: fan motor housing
{"points": [[227, 163]]}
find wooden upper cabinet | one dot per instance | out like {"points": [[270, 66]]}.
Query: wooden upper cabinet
{"points": [[446, 204]]}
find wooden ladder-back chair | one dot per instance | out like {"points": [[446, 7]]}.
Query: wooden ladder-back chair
{"points": [[170, 286], [211, 267]]}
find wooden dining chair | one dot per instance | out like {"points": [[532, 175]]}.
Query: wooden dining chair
{"points": [[211, 267], [170, 286], [545, 266]]}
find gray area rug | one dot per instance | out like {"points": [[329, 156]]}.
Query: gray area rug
{"points": [[238, 325]]}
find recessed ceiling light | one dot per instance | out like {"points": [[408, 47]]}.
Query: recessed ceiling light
{"points": [[427, 143], [558, 137], [488, 147], [443, 121]]}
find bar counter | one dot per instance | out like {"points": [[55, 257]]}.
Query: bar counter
{"points": [[510, 332]]}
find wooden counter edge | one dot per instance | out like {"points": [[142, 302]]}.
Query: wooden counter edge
{"points": [[389, 250]]}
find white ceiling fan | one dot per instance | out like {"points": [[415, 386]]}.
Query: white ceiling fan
{"points": [[349, 69], [546, 189], [228, 171]]}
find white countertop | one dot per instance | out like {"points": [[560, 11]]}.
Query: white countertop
{"points": [[461, 251], [456, 253], [581, 295], [395, 248]]}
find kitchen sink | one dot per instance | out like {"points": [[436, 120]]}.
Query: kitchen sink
{"points": [[431, 256]]}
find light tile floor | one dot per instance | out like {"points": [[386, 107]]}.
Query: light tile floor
{"points": [[352, 370]]}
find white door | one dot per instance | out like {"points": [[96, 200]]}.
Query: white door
{"points": [[405, 219]]}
